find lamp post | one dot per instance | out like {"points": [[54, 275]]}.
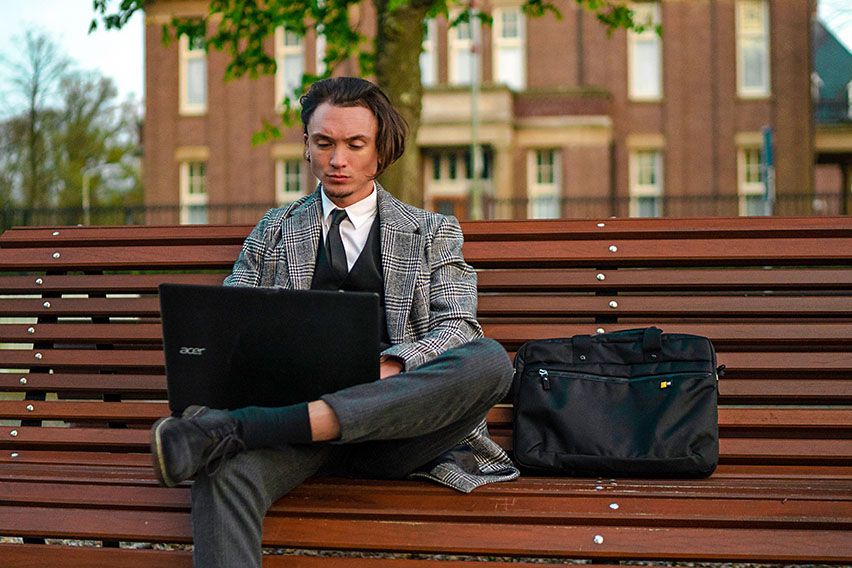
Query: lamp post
{"points": [[475, 78]]}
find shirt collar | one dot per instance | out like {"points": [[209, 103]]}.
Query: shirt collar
{"points": [[363, 211]]}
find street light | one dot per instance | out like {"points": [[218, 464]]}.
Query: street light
{"points": [[88, 172]]}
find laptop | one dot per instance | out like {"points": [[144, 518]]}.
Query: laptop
{"points": [[230, 347]]}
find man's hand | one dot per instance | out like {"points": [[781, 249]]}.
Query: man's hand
{"points": [[389, 367]]}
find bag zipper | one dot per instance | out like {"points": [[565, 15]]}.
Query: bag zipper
{"points": [[545, 379], [544, 376]]}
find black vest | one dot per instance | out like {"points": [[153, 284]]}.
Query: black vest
{"points": [[365, 276]]}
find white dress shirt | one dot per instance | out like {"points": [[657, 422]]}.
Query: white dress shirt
{"points": [[354, 230]]}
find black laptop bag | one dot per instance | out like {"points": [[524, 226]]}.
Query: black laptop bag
{"points": [[629, 403]]}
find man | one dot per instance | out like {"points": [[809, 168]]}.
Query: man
{"points": [[439, 377]]}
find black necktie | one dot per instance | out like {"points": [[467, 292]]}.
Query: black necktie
{"points": [[335, 250]]}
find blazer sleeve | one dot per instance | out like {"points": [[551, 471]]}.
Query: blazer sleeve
{"points": [[452, 300], [248, 268]]}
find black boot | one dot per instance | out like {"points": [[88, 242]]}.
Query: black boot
{"points": [[182, 446]]}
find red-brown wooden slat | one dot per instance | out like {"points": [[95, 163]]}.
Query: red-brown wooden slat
{"points": [[494, 305], [822, 450], [123, 258], [754, 418], [101, 283], [510, 332], [564, 508], [706, 227], [123, 236], [150, 385], [40, 555], [82, 307], [649, 252], [151, 360], [663, 306], [801, 390], [632, 228], [115, 461], [767, 545], [111, 333], [542, 279], [741, 364]]}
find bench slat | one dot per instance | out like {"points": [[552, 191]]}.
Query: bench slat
{"points": [[550, 280], [565, 508], [102, 283], [663, 306], [771, 545], [102, 258], [650, 252]]}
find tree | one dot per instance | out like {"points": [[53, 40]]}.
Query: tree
{"points": [[63, 123], [34, 77], [242, 26]]}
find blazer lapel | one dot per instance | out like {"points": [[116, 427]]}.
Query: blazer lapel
{"points": [[402, 253], [300, 236]]}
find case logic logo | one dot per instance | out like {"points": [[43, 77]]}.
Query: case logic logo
{"points": [[192, 350]]}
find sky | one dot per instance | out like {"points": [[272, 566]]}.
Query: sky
{"points": [[120, 54]]}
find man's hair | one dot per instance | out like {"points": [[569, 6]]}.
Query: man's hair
{"points": [[353, 91]]}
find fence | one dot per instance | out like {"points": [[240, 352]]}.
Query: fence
{"points": [[575, 208]]}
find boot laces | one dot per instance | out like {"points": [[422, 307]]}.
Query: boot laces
{"points": [[230, 444]]}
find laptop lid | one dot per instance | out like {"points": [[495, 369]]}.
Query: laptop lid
{"points": [[230, 347]]}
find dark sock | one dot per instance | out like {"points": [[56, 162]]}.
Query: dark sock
{"points": [[263, 427]]}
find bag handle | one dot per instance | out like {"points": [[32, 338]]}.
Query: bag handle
{"points": [[652, 339]]}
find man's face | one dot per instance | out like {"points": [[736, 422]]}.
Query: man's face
{"points": [[341, 144]]}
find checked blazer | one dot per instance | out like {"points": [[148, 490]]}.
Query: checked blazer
{"points": [[430, 297]]}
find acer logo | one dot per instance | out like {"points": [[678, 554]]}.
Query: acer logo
{"points": [[192, 350]]}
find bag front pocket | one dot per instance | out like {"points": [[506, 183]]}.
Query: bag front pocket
{"points": [[652, 419]]}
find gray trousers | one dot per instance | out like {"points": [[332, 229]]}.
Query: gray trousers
{"points": [[388, 429]]}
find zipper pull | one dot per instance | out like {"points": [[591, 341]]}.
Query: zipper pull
{"points": [[545, 380]]}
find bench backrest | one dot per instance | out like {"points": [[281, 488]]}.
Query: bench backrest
{"points": [[81, 364]]}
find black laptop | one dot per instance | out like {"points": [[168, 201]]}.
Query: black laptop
{"points": [[229, 347]]}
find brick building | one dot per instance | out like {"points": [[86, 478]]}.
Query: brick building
{"points": [[571, 122]]}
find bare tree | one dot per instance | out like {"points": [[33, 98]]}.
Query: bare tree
{"points": [[34, 76]]}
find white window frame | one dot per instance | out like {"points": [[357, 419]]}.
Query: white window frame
{"points": [[647, 14], [538, 190], [190, 199], [286, 178], [747, 187], [641, 189], [188, 55], [284, 86], [429, 54], [518, 81], [319, 52], [756, 36], [457, 46]]}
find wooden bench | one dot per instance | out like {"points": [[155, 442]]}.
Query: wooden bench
{"points": [[82, 380]]}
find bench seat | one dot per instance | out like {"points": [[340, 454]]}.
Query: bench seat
{"points": [[82, 378]]}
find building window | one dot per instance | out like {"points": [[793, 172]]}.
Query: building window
{"points": [[544, 185], [290, 62], [193, 76], [752, 48], [509, 48], [751, 178], [645, 54], [646, 183], [193, 193], [428, 58], [460, 44], [289, 183]]}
